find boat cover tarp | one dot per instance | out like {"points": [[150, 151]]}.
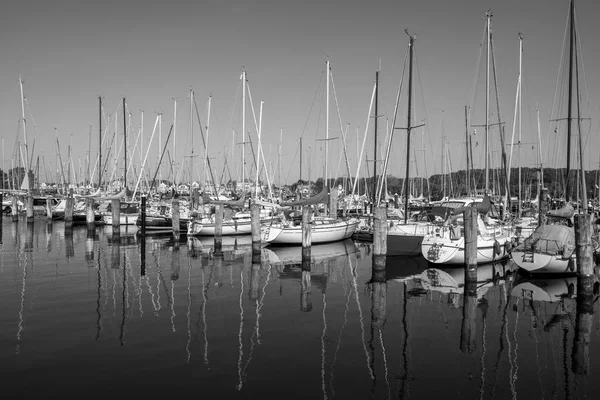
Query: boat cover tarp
{"points": [[321, 198], [565, 212], [553, 239], [239, 203]]}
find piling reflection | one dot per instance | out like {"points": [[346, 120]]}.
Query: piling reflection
{"points": [[368, 332]]}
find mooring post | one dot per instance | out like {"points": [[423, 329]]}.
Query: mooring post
{"points": [[380, 228], [29, 208], [90, 215], [333, 202], [542, 207], [255, 225], [2, 210], [218, 229], [15, 208], [116, 213], [306, 232], [378, 297], [143, 215], [49, 208], [470, 221], [175, 219], [583, 245], [69, 212]]}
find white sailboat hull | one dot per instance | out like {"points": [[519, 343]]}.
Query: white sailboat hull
{"points": [[322, 231], [443, 250]]}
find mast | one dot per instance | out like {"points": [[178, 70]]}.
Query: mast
{"points": [[24, 134], [488, 16], [124, 145], [243, 129], [375, 200], [408, 127], [327, 128], [583, 185], [570, 99], [468, 176], [99, 142], [519, 198]]}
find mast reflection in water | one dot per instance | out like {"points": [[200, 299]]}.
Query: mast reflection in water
{"points": [[105, 312]]}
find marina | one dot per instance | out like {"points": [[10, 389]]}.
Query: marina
{"points": [[235, 200]]}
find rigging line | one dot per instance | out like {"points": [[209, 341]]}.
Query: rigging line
{"points": [[477, 72], [562, 53], [500, 126], [341, 130], [426, 127], [393, 127]]}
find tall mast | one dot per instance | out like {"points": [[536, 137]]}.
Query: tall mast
{"points": [[327, 128], [408, 127], [375, 200], [467, 185], [570, 98], [124, 144], [243, 129], [520, 198], [174, 138], [487, 100], [24, 134], [99, 142]]}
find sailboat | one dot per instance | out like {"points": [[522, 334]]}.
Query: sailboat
{"points": [[551, 247], [324, 229]]}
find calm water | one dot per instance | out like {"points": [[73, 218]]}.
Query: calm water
{"points": [[85, 315]]}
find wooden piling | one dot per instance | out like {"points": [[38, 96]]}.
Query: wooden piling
{"points": [[583, 245], [255, 225], [1, 211], [333, 202], [143, 215], [470, 221], [69, 212], [175, 218], [90, 215], [116, 213], [15, 208], [583, 325], [49, 208], [380, 230], [29, 208], [542, 207], [218, 229], [306, 227]]}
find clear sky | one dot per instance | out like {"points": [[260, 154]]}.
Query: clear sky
{"points": [[69, 52]]}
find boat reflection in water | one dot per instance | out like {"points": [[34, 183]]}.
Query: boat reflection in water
{"points": [[218, 322]]}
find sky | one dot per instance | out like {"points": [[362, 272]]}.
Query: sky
{"points": [[70, 52]]}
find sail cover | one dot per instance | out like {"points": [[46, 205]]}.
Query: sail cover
{"points": [[321, 198]]}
